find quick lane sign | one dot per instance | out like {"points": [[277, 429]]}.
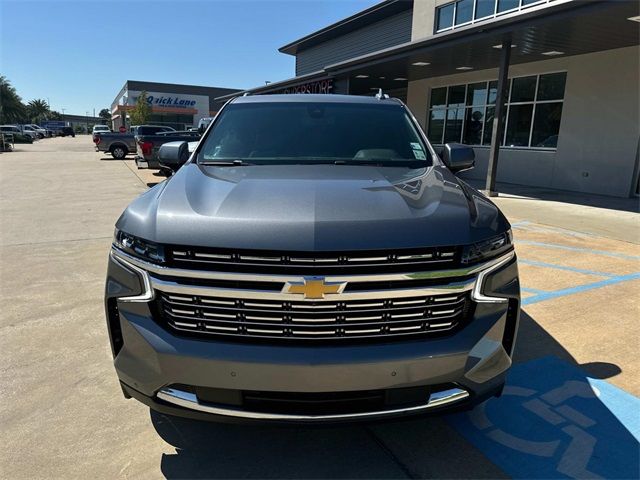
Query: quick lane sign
{"points": [[170, 101]]}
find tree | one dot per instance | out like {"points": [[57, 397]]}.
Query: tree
{"points": [[38, 110], [11, 107], [142, 110], [105, 115]]}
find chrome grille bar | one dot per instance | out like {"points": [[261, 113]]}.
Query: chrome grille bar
{"points": [[281, 320], [163, 271], [249, 305]]}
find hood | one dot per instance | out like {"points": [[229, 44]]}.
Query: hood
{"points": [[312, 208]]}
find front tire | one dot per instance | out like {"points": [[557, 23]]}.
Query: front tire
{"points": [[119, 152]]}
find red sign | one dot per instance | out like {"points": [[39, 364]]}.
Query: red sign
{"points": [[122, 129]]}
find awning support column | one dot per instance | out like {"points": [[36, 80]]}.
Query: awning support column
{"points": [[497, 131]]}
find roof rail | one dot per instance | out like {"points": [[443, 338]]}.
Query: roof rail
{"points": [[381, 96], [246, 94]]}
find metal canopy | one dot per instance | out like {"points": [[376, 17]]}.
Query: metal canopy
{"points": [[569, 26], [573, 27]]}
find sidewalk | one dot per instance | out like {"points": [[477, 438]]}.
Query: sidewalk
{"points": [[611, 217]]}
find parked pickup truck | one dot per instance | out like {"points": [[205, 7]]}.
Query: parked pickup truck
{"points": [[121, 144], [147, 146]]}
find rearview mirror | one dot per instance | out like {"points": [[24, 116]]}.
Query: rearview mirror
{"points": [[458, 157], [173, 155]]}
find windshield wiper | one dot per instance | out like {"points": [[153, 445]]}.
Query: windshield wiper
{"points": [[382, 162], [231, 162]]}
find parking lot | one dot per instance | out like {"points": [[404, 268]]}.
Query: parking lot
{"points": [[570, 408]]}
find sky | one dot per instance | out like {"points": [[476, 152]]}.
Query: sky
{"points": [[77, 54]]}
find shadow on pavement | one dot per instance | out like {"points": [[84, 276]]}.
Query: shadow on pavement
{"points": [[576, 198], [215, 450], [160, 174], [549, 423]]}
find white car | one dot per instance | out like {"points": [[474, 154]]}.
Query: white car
{"points": [[29, 130], [101, 129], [39, 130]]}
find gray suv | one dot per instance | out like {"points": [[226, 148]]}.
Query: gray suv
{"points": [[312, 260]]}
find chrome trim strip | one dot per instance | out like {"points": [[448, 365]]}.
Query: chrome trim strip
{"points": [[240, 293], [367, 259], [147, 292], [260, 259], [211, 255], [190, 401], [257, 277], [438, 325], [218, 327], [416, 256], [477, 294], [314, 260]]}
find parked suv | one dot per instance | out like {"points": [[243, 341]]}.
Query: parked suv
{"points": [[67, 131], [313, 260], [100, 129], [41, 132], [29, 130], [14, 134]]}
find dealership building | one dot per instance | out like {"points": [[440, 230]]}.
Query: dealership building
{"points": [[177, 106], [561, 74]]}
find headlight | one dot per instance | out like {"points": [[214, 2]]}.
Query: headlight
{"points": [[138, 247], [488, 248]]}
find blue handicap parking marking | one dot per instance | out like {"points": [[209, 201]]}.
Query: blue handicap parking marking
{"points": [[542, 296], [553, 421]]}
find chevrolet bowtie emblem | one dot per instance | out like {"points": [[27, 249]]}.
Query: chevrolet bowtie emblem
{"points": [[314, 287]]}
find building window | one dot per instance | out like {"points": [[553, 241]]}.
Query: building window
{"points": [[485, 8], [464, 113], [445, 17], [463, 12]]}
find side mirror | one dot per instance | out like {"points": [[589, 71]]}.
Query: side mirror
{"points": [[173, 155], [458, 157]]}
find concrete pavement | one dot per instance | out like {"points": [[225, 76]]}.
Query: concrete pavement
{"points": [[61, 410]]}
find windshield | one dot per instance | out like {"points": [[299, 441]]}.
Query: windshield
{"points": [[314, 132]]}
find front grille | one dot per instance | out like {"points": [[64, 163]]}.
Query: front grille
{"points": [[381, 319], [305, 263]]}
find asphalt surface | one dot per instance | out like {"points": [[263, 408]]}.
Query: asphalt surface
{"points": [[62, 412]]}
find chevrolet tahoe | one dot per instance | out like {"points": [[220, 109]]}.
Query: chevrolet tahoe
{"points": [[313, 259]]}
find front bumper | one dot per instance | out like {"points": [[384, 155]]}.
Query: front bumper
{"points": [[154, 364]]}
